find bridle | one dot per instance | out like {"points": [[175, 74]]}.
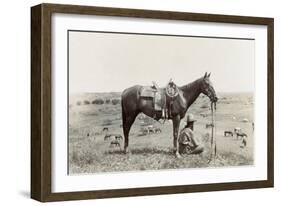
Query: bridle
{"points": [[210, 92]]}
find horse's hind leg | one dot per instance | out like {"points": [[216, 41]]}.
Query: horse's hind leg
{"points": [[128, 121]]}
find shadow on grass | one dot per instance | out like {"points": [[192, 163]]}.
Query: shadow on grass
{"points": [[144, 151]]}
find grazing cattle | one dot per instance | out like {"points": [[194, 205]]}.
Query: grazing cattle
{"points": [[105, 129], [209, 125], [228, 133], [245, 120], [158, 130], [241, 134], [118, 137], [203, 115], [107, 137], [150, 129], [144, 131], [244, 142], [114, 143], [237, 130]]}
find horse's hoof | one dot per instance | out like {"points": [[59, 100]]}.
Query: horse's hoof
{"points": [[126, 151], [178, 155]]}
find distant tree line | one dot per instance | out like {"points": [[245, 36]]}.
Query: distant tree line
{"points": [[99, 101]]}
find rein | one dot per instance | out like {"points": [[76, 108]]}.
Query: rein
{"points": [[213, 137]]}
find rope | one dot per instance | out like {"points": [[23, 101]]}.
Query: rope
{"points": [[213, 136]]}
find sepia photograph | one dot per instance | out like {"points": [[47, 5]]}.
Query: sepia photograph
{"points": [[142, 102]]}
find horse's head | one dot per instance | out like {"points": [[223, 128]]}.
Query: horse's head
{"points": [[208, 89]]}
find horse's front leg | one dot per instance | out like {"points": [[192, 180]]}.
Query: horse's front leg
{"points": [[176, 125]]}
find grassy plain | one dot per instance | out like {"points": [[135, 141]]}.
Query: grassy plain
{"points": [[89, 153]]}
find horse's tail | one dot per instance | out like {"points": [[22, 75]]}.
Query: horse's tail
{"points": [[123, 96], [129, 111]]}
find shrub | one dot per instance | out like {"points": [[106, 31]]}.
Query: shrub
{"points": [[98, 101], [107, 101], [78, 103], [86, 102], [107, 122], [115, 101]]}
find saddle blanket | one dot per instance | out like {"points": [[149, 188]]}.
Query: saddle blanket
{"points": [[148, 91], [155, 94], [158, 101]]}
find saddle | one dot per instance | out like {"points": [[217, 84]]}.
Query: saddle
{"points": [[162, 98]]}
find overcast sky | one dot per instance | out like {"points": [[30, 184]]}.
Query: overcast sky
{"points": [[105, 62]]}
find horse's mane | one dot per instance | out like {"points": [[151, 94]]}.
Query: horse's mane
{"points": [[191, 84]]}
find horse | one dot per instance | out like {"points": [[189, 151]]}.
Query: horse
{"points": [[132, 104]]}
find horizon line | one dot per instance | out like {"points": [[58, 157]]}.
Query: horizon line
{"points": [[123, 90]]}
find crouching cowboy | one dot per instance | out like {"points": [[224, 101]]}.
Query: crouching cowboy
{"points": [[188, 143]]}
